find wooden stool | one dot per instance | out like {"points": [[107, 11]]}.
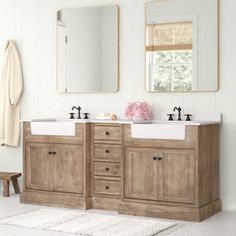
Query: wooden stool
{"points": [[6, 177]]}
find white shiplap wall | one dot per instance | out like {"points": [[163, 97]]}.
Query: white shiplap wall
{"points": [[32, 23]]}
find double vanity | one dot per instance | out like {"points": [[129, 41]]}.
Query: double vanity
{"points": [[110, 165]]}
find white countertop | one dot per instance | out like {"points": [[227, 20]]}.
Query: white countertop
{"points": [[122, 121]]}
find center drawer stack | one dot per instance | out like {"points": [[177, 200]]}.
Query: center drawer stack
{"points": [[107, 153]]}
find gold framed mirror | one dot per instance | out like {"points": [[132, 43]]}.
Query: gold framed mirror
{"points": [[181, 45], [88, 49]]}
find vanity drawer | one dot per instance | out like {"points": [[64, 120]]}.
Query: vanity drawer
{"points": [[113, 133], [107, 187], [111, 152], [107, 169]]}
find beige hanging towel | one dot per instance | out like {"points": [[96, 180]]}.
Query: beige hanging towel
{"points": [[10, 92]]}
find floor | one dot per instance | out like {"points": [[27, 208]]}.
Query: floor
{"points": [[221, 224]]}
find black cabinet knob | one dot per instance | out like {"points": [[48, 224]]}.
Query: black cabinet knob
{"points": [[154, 158], [107, 169], [159, 158], [50, 153], [107, 187], [107, 151], [107, 133]]}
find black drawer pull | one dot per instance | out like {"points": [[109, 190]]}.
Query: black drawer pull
{"points": [[107, 187], [159, 158], [107, 133], [107, 151], [107, 169], [52, 153], [154, 158]]}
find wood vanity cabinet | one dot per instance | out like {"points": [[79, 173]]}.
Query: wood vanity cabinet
{"points": [[56, 168], [103, 167], [176, 179]]}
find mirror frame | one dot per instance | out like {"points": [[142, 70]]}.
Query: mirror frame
{"points": [[218, 53], [117, 77]]}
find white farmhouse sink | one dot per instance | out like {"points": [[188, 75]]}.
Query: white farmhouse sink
{"points": [[52, 127], [159, 130]]}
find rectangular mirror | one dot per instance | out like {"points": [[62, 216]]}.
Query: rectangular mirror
{"points": [[87, 50], [181, 45]]}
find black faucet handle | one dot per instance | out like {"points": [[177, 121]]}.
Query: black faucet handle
{"points": [[188, 117], [72, 115], [170, 116], [86, 114]]}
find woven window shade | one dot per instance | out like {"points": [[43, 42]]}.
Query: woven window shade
{"points": [[169, 36]]}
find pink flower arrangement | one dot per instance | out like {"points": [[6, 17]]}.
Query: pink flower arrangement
{"points": [[138, 111]]}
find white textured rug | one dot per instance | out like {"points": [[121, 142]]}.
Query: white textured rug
{"points": [[87, 224]]}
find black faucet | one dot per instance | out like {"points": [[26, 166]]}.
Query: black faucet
{"points": [[179, 109], [79, 109]]}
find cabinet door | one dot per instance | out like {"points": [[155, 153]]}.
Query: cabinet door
{"points": [[142, 173], [38, 166], [68, 168], [178, 178]]}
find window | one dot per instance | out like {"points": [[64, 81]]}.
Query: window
{"points": [[169, 56]]}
